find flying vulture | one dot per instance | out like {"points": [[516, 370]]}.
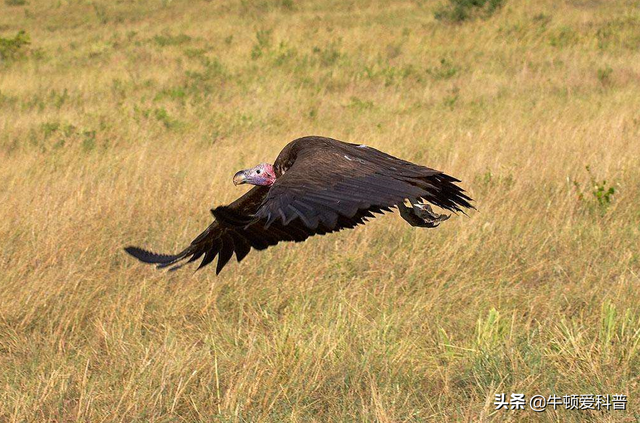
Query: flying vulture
{"points": [[316, 186]]}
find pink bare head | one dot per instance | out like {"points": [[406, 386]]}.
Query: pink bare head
{"points": [[263, 174]]}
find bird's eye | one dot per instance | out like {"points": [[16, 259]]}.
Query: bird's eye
{"points": [[258, 171]]}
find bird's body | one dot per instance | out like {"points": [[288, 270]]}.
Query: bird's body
{"points": [[316, 186]]}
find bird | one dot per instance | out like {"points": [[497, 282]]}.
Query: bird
{"points": [[316, 186]]}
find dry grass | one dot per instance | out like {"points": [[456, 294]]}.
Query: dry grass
{"points": [[124, 122]]}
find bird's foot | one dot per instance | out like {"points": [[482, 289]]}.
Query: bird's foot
{"points": [[421, 215]]}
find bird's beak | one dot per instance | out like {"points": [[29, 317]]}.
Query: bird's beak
{"points": [[239, 178]]}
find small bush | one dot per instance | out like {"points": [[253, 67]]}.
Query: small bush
{"points": [[451, 99], [283, 54], [88, 141], [15, 2], [163, 117], [599, 197], [604, 75], [446, 70], [461, 10], [6, 100], [263, 42], [206, 81], [493, 180], [358, 104], [562, 37], [101, 13], [287, 4], [175, 93], [165, 40], [48, 128], [13, 48], [328, 55]]}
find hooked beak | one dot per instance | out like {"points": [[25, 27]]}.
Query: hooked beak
{"points": [[239, 178]]}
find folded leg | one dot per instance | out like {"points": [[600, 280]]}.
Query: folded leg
{"points": [[421, 215]]}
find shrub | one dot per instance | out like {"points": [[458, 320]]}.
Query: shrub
{"points": [[358, 104], [461, 10], [599, 197], [446, 70], [165, 40], [263, 42], [563, 37], [12, 48], [604, 75], [328, 55]]}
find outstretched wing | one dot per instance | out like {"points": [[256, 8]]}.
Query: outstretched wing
{"points": [[235, 230], [218, 240], [330, 180]]}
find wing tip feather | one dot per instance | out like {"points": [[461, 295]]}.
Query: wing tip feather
{"points": [[146, 256]]}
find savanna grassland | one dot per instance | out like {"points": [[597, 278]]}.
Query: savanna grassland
{"points": [[124, 122]]}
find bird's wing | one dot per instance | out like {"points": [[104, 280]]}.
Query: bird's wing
{"points": [[218, 240], [236, 230], [331, 182], [224, 237]]}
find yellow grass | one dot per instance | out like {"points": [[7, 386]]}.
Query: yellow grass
{"points": [[123, 122]]}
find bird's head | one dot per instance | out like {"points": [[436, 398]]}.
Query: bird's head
{"points": [[263, 174]]}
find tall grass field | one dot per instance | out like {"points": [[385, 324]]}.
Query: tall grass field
{"points": [[123, 123]]}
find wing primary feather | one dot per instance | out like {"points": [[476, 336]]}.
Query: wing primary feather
{"points": [[225, 253], [196, 256], [210, 253], [299, 214], [270, 219], [230, 217], [152, 258], [208, 258], [241, 245], [283, 217]]}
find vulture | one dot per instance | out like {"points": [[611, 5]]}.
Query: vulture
{"points": [[316, 186]]}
